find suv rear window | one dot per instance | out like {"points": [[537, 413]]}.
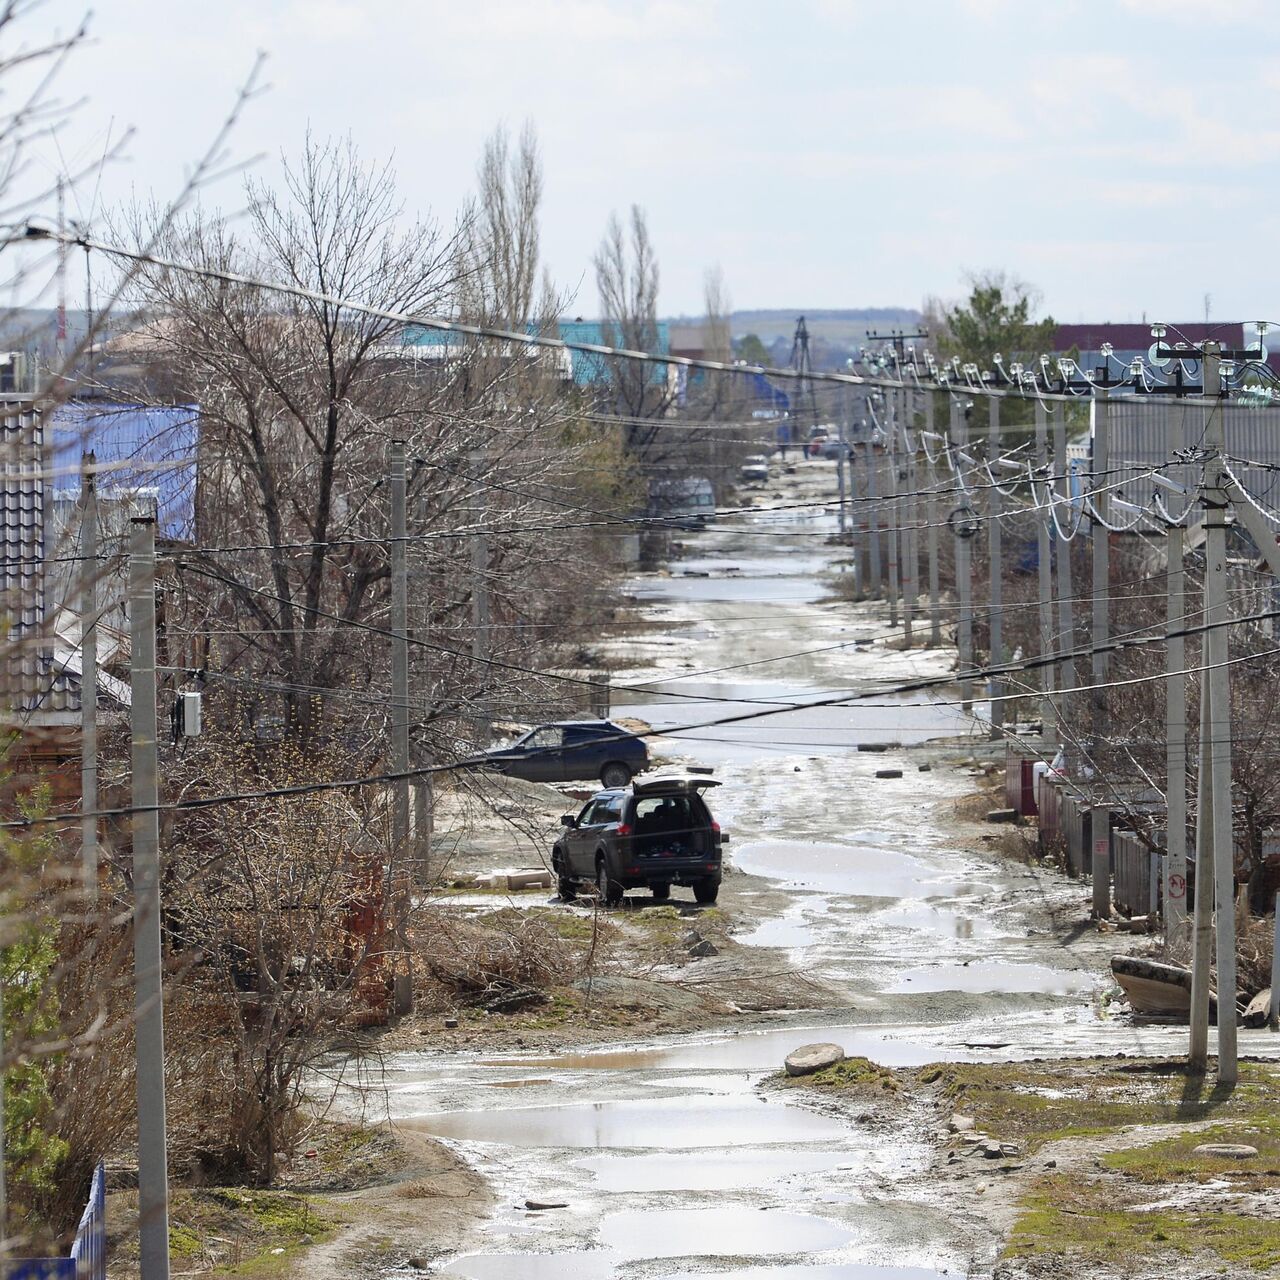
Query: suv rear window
{"points": [[660, 815]]}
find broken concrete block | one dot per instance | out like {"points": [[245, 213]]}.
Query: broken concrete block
{"points": [[1002, 815], [809, 1058], [888, 773], [1258, 1010]]}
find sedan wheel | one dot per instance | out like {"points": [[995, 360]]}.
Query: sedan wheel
{"points": [[615, 774]]}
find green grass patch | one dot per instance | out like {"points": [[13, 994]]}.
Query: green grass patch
{"points": [[851, 1073], [1174, 1159], [1037, 1102], [1081, 1221]]}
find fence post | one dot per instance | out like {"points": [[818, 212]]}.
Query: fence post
{"points": [[1100, 833]]}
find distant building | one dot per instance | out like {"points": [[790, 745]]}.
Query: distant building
{"points": [[582, 368]]}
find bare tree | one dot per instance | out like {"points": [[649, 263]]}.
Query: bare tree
{"points": [[502, 230], [627, 279]]}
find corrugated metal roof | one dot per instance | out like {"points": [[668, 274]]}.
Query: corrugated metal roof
{"points": [[159, 442]]}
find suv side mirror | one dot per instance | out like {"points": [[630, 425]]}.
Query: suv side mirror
{"points": [[568, 820]]}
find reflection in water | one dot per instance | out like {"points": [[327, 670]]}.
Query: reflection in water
{"points": [[833, 1271], [730, 1170], [665, 1122], [865, 871], [732, 1230]]}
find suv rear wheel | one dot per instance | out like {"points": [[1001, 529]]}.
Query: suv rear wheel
{"points": [[661, 892], [609, 889], [706, 890], [615, 774]]}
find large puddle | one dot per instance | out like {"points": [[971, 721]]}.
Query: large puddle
{"points": [[858, 870], [728, 1171], [729, 1231], [983, 976], [679, 1123], [832, 1271]]}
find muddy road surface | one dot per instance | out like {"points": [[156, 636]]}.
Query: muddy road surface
{"points": [[671, 1158]]}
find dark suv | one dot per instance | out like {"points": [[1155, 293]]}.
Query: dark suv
{"points": [[655, 833], [570, 750]]}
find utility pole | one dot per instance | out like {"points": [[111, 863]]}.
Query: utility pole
{"points": [[910, 559], [1044, 573], [931, 516], [1175, 711], [891, 497], [1218, 681], [840, 460], [873, 516], [1202, 923], [1066, 607], [805, 413], [995, 610], [153, 1176], [480, 596], [860, 551], [402, 990], [89, 676], [964, 586], [1101, 631]]}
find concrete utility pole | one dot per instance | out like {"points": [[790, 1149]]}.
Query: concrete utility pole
{"points": [[873, 516], [1044, 569], [891, 498], [931, 517], [1175, 712], [1101, 630], [840, 457], [89, 676], [1066, 606], [1218, 680], [995, 603], [153, 1176], [1273, 1018], [857, 528], [910, 559], [1202, 925], [964, 586]]}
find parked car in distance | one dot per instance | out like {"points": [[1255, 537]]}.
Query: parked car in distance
{"points": [[755, 469], [817, 443], [570, 750], [682, 502], [836, 448], [652, 834]]}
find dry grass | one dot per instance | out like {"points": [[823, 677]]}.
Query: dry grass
{"points": [[477, 960]]}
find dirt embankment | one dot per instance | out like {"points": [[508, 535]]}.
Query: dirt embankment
{"points": [[1086, 1167], [354, 1199]]}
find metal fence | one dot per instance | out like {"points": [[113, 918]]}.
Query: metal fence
{"points": [[88, 1257]]}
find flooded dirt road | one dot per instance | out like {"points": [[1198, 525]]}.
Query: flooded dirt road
{"points": [[668, 1159]]}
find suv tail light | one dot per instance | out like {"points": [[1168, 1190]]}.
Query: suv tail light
{"points": [[624, 829], [715, 826]]}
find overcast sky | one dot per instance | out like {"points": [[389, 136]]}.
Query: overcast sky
{"points": [[1121, 155]]}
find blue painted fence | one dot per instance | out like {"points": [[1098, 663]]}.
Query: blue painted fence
{"points": [[88, 1258]]}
